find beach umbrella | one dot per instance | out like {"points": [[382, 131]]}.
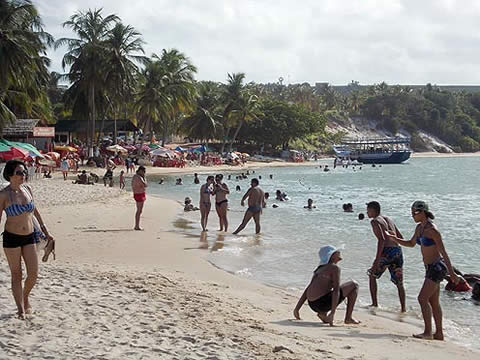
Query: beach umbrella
{"points": [[245, 154], [54, 155], [144, 147], [4, 147], [162, 151], [117, 148], [154, 146], [32, 150], [179, 148], [129, 147], [15, 152], [65, 148]]}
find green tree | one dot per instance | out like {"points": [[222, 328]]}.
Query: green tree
{"points": [[202, 123], [230, 97], [124, 46], [23, 64], [86, 56]]}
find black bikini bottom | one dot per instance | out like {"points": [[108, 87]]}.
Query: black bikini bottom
{"points": [[11, 240]]}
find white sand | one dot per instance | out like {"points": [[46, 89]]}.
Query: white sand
{"points": [[116, 293]]}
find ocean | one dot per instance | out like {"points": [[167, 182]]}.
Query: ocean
{"points": [[286, 251]]}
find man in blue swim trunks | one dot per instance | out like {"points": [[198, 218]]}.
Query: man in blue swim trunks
{"points": [[256, 200], [389, 254]]}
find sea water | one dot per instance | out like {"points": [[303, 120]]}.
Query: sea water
{"points": [[286, 251]]}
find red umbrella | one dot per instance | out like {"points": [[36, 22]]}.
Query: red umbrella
{"points": [[14, 153]]}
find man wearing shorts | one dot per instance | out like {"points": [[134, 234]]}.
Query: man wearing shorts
{"points": [[389, 254], [139, 184]]}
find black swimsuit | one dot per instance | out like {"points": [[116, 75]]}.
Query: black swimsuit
{"points": [[221, 202]]}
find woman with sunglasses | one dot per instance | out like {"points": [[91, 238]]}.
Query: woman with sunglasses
{"points": [[437, 265], [20, 236]]}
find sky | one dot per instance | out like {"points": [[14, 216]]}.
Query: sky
{"points": [[335, 41]]}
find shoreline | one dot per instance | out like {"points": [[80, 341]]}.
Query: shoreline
{"points": [[117, 292]]}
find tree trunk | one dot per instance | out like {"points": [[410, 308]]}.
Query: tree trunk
{"points": [[91, 100], [225, 140], [236, 134]]}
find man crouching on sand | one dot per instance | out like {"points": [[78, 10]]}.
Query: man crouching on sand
{"points": [[139, 184], [256, 200], [324, 293]]}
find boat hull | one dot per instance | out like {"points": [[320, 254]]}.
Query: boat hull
{"points": [[396, 157]]}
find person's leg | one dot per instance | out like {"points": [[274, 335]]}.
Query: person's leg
{"points": [[401, 296], [137, 214], [14, 258], [224, 209], [373, 290], [428, 289], [207, 212], [202, 216], [437, 314], [396, 276], [350, 291], [220, 219], [256, 218], [29, 254], [246, 218]]}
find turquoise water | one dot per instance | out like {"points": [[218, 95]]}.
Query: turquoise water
{"points": [[285, 253]]}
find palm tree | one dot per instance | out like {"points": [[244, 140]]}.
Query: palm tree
{"points": [[203, 122], [248, 110], [23, 64], [124, 44], [87, 55], [152, 100], [179, 84], [230, 97]]}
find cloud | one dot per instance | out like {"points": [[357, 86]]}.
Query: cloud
{"points": [[406, 42]]}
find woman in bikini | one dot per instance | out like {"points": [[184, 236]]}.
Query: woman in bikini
{"points": [[324, 293], [206, 190], [20, 236], [437, 265], [221, 201]]}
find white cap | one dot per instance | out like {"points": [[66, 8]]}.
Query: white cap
{"points": [[325, 253]]}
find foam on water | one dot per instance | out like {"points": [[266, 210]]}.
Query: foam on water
{"points": [[285, 254]]}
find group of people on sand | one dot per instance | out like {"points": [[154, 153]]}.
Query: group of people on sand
{"points": [[325, 291]]}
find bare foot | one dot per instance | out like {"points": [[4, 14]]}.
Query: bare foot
{"points": [[137, 228], [352, 321], [21, 315], [423, 336], [438, 336], [373, 305], [323, 317]]}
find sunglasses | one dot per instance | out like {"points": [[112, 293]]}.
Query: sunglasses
{"points": [[21, 173], [416, 212]]}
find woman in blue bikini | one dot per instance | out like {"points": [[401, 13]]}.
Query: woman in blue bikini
{"points": [[206, 191], [437, 265], [20, 235]]}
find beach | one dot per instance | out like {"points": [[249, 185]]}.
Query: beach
{"points": [[113, 292]]}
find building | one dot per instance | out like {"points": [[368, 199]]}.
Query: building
{"points": [[32, 131], [67, 130]]}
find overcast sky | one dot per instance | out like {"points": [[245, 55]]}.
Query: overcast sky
{"points": [[336, 41]]}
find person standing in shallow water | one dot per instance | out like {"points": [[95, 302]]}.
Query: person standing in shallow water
{"points": [[324, 293], [206, 190], [256, 201], [139, 185], [437, 265], [221, 201], [20, 236], [389, 254]]}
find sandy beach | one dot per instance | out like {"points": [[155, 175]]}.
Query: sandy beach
{"points": [[117, 293]]}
